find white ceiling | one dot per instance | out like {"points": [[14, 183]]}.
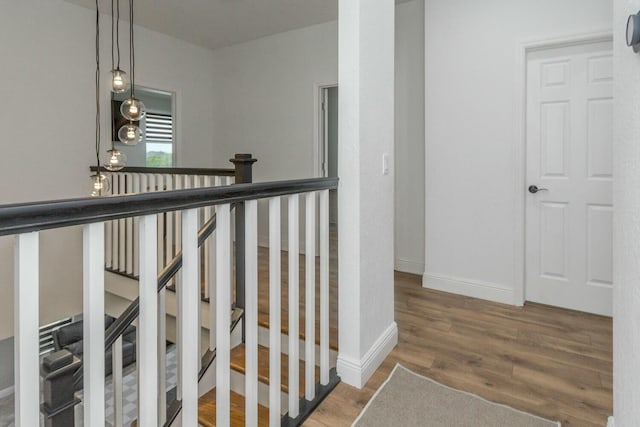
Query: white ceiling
{"points": [[218, 23]]}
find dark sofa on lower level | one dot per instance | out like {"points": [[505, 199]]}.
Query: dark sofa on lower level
{"points": [[69, 337]]}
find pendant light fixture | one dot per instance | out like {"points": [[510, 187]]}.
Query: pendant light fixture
{"points": [[119, 79], [132, 109], [99, 182], [116, 159]]}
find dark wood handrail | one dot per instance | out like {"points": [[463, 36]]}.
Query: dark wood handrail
{"points": [[37, 216], [172, 171]]}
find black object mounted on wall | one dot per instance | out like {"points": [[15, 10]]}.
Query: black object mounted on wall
{"points": [[633, 32], [118, 120]]}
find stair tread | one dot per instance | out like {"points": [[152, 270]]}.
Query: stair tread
{"points": [[263, 320], [207, 410], [238, 364]]}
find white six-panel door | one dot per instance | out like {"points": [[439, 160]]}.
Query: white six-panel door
{"points": [[569, 158]]}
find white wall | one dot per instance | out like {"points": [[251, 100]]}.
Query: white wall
{"points": [[626, 224], [264, 93], [471, 133], [409, 138], [47, 117]]}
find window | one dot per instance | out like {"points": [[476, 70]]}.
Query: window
{"points": [[158, 136]]}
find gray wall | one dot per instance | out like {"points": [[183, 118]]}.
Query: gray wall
{"points": [[6, 363]]}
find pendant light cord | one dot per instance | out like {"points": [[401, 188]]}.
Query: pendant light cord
{"points": [[132, 56], [98, 89], [118, 33]]}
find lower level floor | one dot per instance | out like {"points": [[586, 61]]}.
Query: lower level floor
{"points": [[551, 362]]}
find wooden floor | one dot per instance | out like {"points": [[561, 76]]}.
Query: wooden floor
{"points": [[550, 362]]}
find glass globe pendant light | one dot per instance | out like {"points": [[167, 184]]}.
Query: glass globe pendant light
{"points": [[116, 160], [130, 134], [119, 79], [132, 109], [99, 185]]}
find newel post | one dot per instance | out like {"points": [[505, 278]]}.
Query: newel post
{"points": [[244, 175]]}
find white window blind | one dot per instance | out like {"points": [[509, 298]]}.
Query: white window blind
{"points": [[158, 127]]}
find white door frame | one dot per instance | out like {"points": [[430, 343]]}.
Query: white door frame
{"points": [[520, 168], [318, 142]]}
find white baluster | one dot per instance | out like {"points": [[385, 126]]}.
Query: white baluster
{"points": [[177, 228], [324, 287], [206, 268], [223, 316], [129, 221], [190, 302], [310, 297], [93, 323], [212, 241], [147, 323], [162, 356], [169, 250], [139, 186], [274, 311], [26, 337], [251, 312], [115, 246], [116, 379], [108, 234], [122, 227], [294, 306]]}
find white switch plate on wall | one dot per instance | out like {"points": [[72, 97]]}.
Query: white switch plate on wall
{"points": [[385, 164]]}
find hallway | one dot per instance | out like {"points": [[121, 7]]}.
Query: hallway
{"points": [[551, 362]]}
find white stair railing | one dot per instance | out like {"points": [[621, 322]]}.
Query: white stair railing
{"points": [[151, 385]]}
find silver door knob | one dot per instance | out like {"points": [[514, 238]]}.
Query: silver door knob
{"points": [[533, 189]]}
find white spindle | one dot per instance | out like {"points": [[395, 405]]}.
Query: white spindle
{"points": [[190, 302], [223, 316], [251, 312], [294, 305], [147, 324], [232, 235], [115, 246], [162, 356], [206, 268], [108, 243], [122, 228], [139, 183], [324, 287], [177, 247], [93, 323], [274, 311], [116, 379], [169, 251], [129, 221], [26, 336], [156, 183], [310, 296]]}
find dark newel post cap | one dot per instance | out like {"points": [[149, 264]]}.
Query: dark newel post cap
{"points": [[243, 158]]}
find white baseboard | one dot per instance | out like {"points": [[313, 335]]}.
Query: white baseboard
{"points": [[470, 288], [7, 392], [610, 422], [410, 267], [357, 372]]}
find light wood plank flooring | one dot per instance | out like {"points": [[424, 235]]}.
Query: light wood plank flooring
{"points": [[547, 361]]}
